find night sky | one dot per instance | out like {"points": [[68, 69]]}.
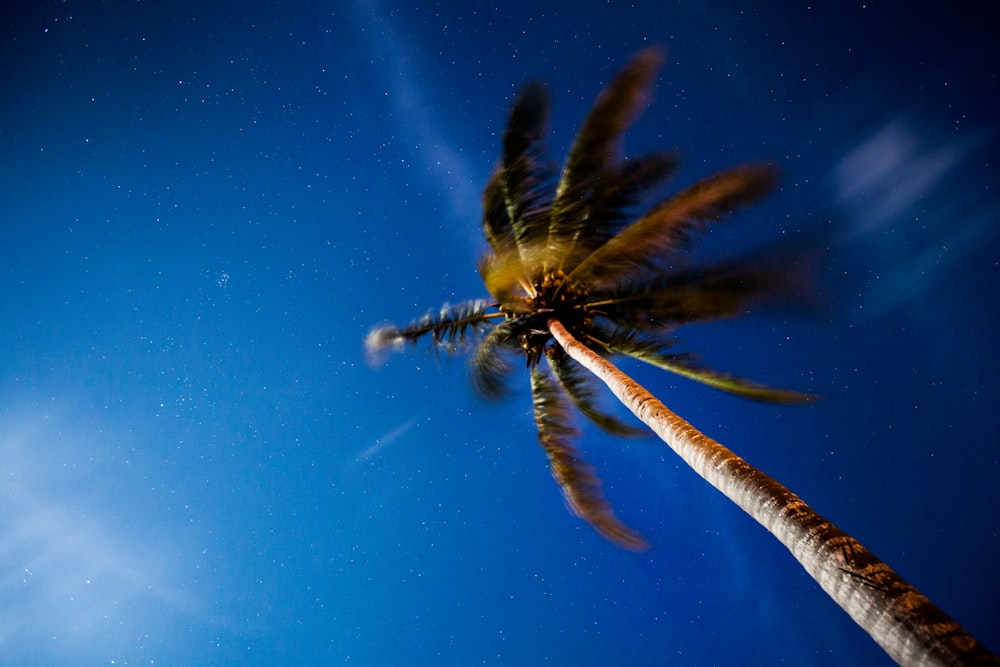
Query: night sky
{"points": [[204, 208]]}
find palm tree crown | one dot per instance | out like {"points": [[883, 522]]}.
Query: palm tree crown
{"points": [[571, 281], [561, 248]]}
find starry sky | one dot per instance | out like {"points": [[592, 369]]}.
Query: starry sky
{"points": [[204, 207]]}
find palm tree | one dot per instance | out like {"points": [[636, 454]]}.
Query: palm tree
{"points": [[571, 282]]}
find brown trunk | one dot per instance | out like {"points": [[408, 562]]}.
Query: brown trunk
{"points": [[902, 620]]}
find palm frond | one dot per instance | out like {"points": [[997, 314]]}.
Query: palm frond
{"points": [[603, 214], [490, 367], [507, 279], [650, 350], [580, 486], [579, 386], [596, 150], [698, 294], [496, 222], [447, 328], [526, 175], [639, 251]]}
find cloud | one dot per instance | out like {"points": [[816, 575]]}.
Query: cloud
{"points": [[887, 173], [387, 439], [403, 66], [79, 583], [912, 202]]}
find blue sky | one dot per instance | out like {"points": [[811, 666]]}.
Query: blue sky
{"points": [[204, 209]]}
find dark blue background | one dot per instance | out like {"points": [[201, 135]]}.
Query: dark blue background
{"points": [[205, 206]]}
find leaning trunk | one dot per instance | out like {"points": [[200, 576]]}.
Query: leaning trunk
{"points": [[902, 620]]}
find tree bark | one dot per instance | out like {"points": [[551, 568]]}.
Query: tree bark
{"points": [[911, 629]]}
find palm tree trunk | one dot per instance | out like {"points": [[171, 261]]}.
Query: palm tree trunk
{"points": [[902, 620]]}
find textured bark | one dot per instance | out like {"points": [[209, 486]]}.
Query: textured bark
{"points": [[902, 620]]}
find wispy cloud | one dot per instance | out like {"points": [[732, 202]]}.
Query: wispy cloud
{"points": [[906, 202], [388, 438], [888, 172], [78, 584], [403, 65]]}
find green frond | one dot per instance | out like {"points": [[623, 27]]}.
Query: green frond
{"points": [[735, 385], [698, 294], [580, 486], [597, 144], [526, 175], [496, 222], [639, 174], [447, 328], [579, 386], [640, 250], [587, 223], [650, 350], [490, 366], [596, 151], [506, 279]]}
